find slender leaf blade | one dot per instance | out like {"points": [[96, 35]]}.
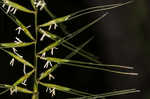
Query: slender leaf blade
{"points": [[102, 69], [14, 45], [64, 89], [55, 44], [4, 91], [109, 94], [26, 31], [17, 6], [59, 60], [19, 89], [50, 46], [26, 76], [97, 9], [48, 34], [55, 21], [70, 63], [47, 72], [18, 58]]}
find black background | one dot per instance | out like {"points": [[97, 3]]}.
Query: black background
{"points": [[120, 38]]}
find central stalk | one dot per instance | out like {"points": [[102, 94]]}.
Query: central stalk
{"points": [[36, 94]]}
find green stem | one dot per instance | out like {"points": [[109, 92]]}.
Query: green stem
{"points": [[36, 94]]}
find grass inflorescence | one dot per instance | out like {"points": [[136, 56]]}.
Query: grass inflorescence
{"points": [[10, 8]]}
